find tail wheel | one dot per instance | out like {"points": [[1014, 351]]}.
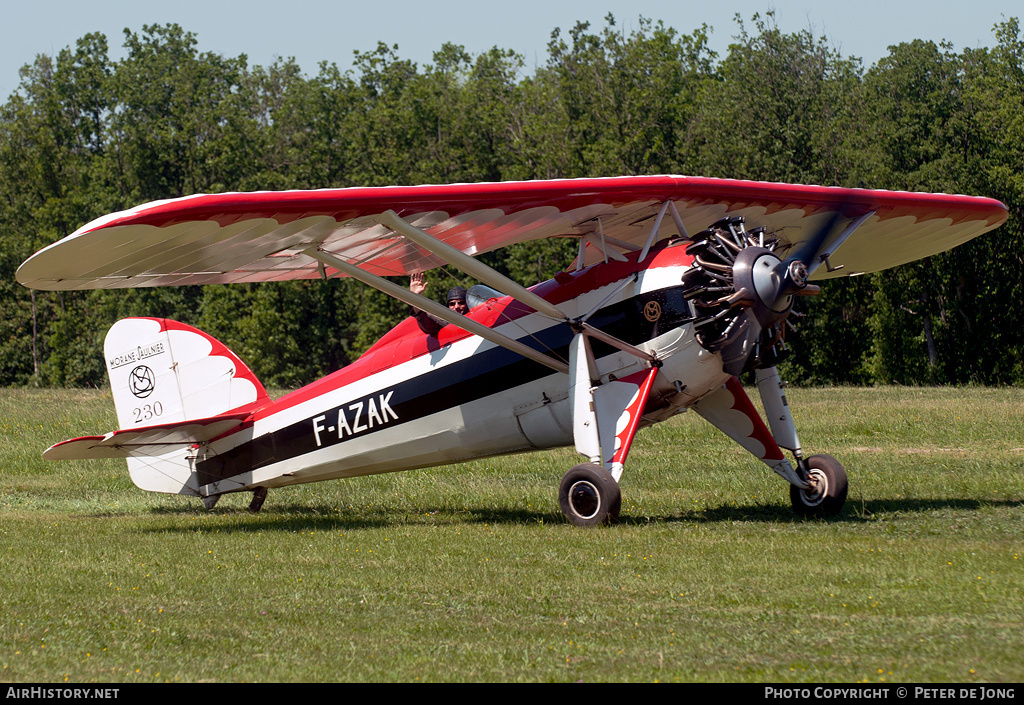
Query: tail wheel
{"points": [[827, 494], [589, 496], [259, 496]]}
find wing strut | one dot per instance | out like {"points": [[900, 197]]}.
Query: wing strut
{"points": [[492, 278], [653, 237], [435, 309], [589, 330], [670, 207], [469, 265]]}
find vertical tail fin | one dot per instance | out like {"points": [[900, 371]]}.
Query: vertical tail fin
{"points": [[161, 372]]}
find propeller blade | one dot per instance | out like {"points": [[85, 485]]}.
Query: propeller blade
{"points": [[794, 273], [810, 250]]}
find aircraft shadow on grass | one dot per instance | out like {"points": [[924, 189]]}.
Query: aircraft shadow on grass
{"points": [[300, 517]]}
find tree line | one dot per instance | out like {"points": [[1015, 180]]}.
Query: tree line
{"points": [[84, 135]]}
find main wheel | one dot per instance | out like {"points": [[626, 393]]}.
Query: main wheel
{"points": [[590, 496], [827, 493]]}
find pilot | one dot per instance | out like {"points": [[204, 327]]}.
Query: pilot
{"points": [[456, 301]]}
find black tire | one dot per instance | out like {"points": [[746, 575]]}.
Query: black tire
{"points": [[259, 496], [590, 496], [828, 495]]}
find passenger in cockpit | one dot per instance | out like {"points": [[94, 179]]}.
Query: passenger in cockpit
{"points": [[456, 301]]}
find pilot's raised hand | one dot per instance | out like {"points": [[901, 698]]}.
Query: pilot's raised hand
{"points": [[417, 283]]}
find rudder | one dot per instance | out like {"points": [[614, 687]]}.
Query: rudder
{"points": [[162, 371]]}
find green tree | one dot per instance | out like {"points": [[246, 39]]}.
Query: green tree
{"points": [[779, 111], [625, 99], [84, 136], [52, 147], [933, 126]]}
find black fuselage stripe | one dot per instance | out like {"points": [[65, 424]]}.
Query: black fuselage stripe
{"points": [[478, 376]]}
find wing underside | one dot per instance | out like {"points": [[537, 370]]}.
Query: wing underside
{"points": [[262, 236]]}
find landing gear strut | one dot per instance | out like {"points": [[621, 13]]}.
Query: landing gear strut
{"points": [[589, 496]]}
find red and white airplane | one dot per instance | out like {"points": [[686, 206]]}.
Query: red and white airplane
{"points": [[681, 285]]}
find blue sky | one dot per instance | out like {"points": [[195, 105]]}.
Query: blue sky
{"points": [[318, 30]]}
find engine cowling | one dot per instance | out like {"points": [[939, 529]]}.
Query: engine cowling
{"points": [[742, 293]]}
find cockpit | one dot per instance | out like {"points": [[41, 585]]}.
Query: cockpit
{"points": [[481, 294]]}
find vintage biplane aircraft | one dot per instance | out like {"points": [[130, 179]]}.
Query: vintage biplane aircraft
{"points": [[681, 285]]}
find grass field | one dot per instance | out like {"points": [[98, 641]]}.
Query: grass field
{"points": [[469, 572]]}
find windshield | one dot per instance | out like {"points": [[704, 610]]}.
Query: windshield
{"points": [[479, 294]]}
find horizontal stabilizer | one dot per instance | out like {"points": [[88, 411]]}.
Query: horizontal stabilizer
{"points": [[146, 441]]}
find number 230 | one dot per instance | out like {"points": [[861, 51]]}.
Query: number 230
{"points": [[147, 412]]}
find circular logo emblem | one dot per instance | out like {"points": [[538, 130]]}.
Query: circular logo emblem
{"points": [[652, 311], [141, 381]]}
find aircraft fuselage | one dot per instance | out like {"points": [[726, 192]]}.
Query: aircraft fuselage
{"points": [[416, 401]]}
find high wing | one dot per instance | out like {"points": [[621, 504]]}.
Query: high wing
{"points": [[263, 236]]}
